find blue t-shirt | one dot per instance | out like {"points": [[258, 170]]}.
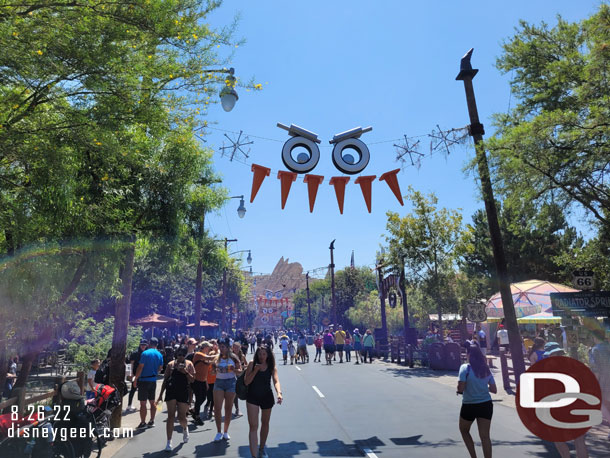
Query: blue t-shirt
{"points": [[476, 388], [151, 359]]}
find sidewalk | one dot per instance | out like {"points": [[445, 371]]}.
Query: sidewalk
{"points": [[132, 420], [598, 440]]}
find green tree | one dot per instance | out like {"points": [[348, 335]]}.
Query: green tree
{"points": [[553, 145], [428, 242]]}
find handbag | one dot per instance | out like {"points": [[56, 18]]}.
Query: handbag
{"points": [[241, 389]]}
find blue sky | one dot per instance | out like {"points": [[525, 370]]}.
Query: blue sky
{"points": [[334, 65]]}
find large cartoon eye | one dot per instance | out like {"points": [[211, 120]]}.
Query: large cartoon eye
{"points": [[346, 145], [305, 144], [265, 319]]}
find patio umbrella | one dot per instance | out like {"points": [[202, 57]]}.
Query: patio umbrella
{"points": [[531, 297], [155, 320]]}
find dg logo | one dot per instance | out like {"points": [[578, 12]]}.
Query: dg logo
{"points": [[346, 144]]}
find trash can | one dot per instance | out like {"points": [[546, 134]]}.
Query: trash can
{"points": [[435, 356], [452, 356]]}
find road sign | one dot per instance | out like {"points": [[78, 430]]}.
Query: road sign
{"points": [[583, 279], [476, 313], [584, 303]]}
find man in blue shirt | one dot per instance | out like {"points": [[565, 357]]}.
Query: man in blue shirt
{"points": [[151, 362]]}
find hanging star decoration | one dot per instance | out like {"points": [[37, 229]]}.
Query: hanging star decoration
{"points": [[236, 147], [408, 149], [444, 140]]}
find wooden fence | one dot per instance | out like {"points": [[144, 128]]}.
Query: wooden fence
{"points": [[21, 401]]}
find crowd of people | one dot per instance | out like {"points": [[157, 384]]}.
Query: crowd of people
{"points": [[204, 373]]}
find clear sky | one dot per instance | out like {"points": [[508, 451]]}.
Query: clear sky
{"points": [[334, 65]]}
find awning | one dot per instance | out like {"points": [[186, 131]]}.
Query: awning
{"points": [[203, 324]]}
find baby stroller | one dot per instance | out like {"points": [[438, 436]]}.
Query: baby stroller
{"points": [[106, 399]]}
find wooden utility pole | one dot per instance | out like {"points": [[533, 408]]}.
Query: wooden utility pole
{"points": [[333, 310], [382, 293], [199, 285], [308, 302], [223, 312], [466, 74]]}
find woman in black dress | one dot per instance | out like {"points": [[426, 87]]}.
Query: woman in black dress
{"points": [[259, 374], [179, 374]]}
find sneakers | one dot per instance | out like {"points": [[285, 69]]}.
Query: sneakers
{"points": [[151, 423], [218, 437], [185, 436], [226, 436], [237, 413], [132, 409], [198, 421], [262, 453], [168, 447], [142, 425]]}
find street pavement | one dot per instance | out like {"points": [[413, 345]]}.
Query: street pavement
{"points": [[375, 410]]}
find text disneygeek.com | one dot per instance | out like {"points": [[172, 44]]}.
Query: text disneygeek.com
{"points": [[63, 434]]}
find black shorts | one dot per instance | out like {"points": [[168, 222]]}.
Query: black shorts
{"points": [[339, 347], [329, 348], [266, 401], [178, 395], [146, 390], [470, 412]]}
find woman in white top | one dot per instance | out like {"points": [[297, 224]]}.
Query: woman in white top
{"points": [[227, 367]]}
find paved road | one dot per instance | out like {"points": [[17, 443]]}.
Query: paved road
{"points": [[367, 410]]}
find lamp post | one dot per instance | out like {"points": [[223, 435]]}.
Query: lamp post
{"points": [[224, 283], [466, 74], [333, 312], [308, 302], [384, 321]]}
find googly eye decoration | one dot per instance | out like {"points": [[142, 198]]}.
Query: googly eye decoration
{"points": [[304, 162], [350, 140]]}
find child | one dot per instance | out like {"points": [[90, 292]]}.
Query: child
{"points": [[95, 365], [318, 343], [292, 351]]}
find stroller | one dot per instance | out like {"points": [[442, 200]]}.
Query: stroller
{"points": [[101, 407]]}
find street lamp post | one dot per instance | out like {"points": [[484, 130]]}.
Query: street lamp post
{"points": [[308, 302], [333, 312], [384, 321], [224, 283], [466, 74]]}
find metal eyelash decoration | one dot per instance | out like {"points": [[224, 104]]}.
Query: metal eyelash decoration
{"points": [[236, 146], [444, 140], [409, 149]]}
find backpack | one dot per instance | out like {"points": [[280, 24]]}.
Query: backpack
{"points": [[102, 375], [241, 389]]}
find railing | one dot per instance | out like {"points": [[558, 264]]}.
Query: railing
{"points": [[19, 394]]}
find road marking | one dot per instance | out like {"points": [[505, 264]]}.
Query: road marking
{"points": [[315, 388], [369, 453], [297, 368]]}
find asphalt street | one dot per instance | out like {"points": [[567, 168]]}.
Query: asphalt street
{"points": [[351, 410]]}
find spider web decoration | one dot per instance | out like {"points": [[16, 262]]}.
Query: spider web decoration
{"points": [[236, 146], [444, 140], [409, 149]]}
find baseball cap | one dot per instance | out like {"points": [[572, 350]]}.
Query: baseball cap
{"points": [[143, 342], [154, 341], [550, 346], [556, 352]]}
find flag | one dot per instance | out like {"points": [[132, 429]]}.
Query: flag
{"points": [[352, 265]]}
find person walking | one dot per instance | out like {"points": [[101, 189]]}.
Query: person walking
{"points": [[179, 374], [208, 409], [482, 339], [357, 345], [502, 336], [151, 363], [284, 347], [242, 359], [201, 363], [227, 365], [475, 383], [329, 346], [368, 343], [252, 340], [348, 347], [318, 344], [340, 342], [134, 359], [259, 374], [302, 347]]}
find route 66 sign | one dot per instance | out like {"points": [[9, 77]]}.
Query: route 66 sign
{"points": [[583, 279], [476, 313]]}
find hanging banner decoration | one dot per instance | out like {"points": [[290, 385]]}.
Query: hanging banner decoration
{"points": [[339, 184], [287, 178], [351, 140], [313, 182], [260, 173], [301, 138], [391, 179], [365, 183]]}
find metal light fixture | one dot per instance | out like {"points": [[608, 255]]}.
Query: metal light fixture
{"points": [[241, 210], [228, 95], [249, 259]]}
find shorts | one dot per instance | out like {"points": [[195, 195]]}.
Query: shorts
{"points": [[348, 348], [303, 348], [266, 401], [285, 353], [225, 384], [178, 395], [357, 346], [146, 390], [339, 347], [470, 412], [329, 348]]}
